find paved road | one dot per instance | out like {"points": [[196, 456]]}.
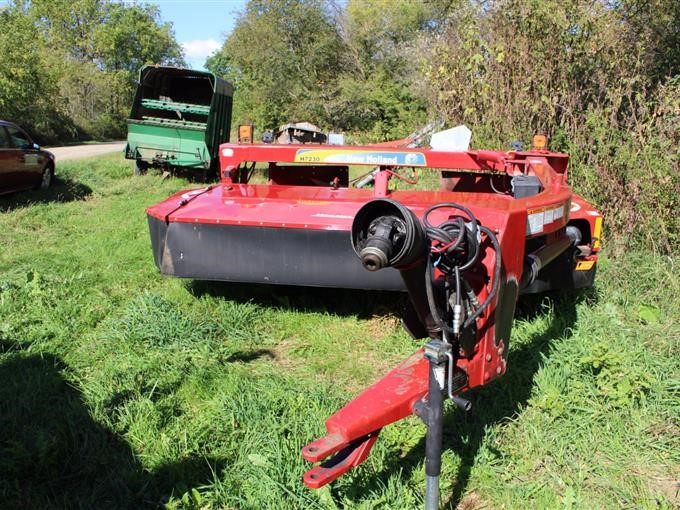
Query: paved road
{"points": [[85, 151]]}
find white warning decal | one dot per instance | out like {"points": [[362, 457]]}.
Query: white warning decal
{"points": [[538, 218], [535, 223]]}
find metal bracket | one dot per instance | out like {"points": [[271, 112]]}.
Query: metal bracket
{"points": [[345, 459], [353, 430], [437, 351]]}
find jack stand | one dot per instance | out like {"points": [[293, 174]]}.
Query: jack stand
{"points": [[436, 353]]}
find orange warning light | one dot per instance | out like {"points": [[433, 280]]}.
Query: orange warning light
{"points": [[245, 133], [540, 142]]}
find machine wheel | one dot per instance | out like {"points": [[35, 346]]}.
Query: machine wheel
{"points": [[140, 167], [46, 179]]}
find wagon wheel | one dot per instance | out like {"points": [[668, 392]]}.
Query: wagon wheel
{"points": [[140, 167]]}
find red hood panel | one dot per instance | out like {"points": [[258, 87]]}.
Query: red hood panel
{"points": [[308, 207]]}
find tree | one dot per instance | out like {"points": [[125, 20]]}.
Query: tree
{"points": [[350, 68], [67, 26], [283, 56], [379, 93], [27, 87], [131, 36], [70, 65]]}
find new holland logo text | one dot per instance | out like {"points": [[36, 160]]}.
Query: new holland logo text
{"points": [[350, 157]]}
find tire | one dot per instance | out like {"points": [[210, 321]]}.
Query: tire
{"points": [[47, 177], [140, 167]]}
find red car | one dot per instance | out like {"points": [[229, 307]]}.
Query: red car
{"points": [[23, 164]]}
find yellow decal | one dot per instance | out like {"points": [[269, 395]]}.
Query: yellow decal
{"points": [[585, 265], [597, 233]]}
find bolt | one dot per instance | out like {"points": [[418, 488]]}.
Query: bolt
{"points": [[499, 369], [487, 376], [488, 357]]}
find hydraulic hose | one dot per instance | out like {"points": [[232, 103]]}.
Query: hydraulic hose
{"points": [[387, 234], [451, 235]]}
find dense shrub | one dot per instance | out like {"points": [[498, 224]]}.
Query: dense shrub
{"points": [[590, 75]]}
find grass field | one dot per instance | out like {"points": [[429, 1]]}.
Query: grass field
{"points": [[123, 389]]}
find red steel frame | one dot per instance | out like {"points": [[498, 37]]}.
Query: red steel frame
{"points": [[326, 208], [353, 430]]}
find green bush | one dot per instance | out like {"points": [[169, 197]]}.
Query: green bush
{"points": [[591, 77]]}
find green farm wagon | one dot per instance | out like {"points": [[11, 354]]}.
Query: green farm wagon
{"points": [[179, 118]]}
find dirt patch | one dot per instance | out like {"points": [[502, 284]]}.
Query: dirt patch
{"points": [[473, 501], [381, 325], [668, 486], [282, 356]]}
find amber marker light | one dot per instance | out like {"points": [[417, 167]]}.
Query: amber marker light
{"points": [[540, 142], [245, 133]]}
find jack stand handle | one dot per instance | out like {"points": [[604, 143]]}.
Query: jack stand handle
{"points": [[435, 428]]}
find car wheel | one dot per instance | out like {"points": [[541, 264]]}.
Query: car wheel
{"points": [[140, 167], [47, 174]]}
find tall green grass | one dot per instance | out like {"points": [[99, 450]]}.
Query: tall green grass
{"points": [[124, 389]]}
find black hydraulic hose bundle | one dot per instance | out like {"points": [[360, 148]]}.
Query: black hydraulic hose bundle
{"points": [[460, 246], [385, 233]]}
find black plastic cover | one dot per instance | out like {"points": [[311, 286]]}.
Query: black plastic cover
{"points": [[525, 186]]}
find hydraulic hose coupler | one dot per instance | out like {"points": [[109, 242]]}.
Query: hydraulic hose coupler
{"points": [[457, 318]]}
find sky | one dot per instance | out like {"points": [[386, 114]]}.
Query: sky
{"points": [[200, 25]]}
